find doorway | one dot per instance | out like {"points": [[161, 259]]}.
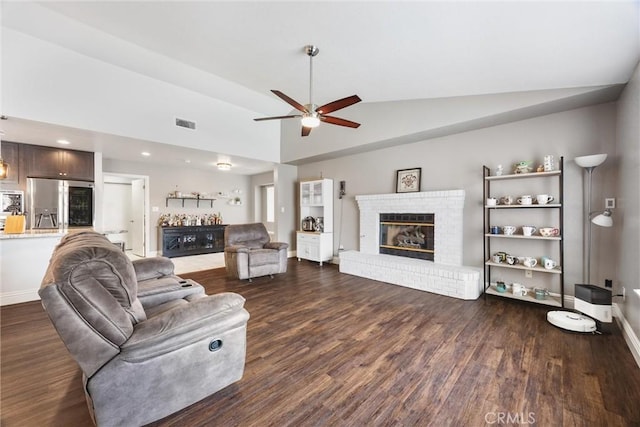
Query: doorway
{"points": [[125, 211], [268, 208]]}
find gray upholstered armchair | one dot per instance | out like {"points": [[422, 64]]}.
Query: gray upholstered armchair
{"points": [[249, 252], [148, 342]]}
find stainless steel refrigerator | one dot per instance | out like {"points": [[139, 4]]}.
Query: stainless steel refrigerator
{"points": [[56, 203]]}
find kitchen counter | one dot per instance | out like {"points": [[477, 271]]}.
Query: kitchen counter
{"points": [[30, 234]]}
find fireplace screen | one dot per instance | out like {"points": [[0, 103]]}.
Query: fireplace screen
{"points": [[407, 234]]}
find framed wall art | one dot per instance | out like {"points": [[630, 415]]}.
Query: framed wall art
{"points": [[408, 180]]}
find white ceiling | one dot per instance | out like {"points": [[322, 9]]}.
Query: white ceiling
{"points": [[383, 51]]}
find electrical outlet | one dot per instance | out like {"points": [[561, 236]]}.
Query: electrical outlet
{"points": [[624, 294], [528, 274], [610, 203]]}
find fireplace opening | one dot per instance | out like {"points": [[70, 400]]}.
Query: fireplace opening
{"points": [[407, 234]]}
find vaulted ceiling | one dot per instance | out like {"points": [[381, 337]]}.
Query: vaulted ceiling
{"points": [[489, 62]]}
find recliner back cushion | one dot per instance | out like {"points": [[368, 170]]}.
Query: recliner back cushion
{"points": [[253, 236], [98, 279]]}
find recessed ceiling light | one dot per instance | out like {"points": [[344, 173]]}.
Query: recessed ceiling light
{"points": [[223, 166], [187, 161], [145, 153], [63, 142]]}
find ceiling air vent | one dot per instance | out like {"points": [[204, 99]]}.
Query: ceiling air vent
{"points": [[185, 124]]}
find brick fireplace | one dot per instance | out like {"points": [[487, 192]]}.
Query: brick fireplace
{"points": [[445, 274]]}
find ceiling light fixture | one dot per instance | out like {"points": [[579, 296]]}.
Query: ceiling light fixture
{"points": [[146, 153], [63, 142], [310, 120], [223, 166]]}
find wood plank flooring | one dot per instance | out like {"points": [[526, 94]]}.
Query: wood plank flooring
{"points": [[328, 349]]}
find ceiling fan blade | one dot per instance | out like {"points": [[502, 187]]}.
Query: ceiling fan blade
{"points": [[306, 131], [340, 122], [290, 101], [337, 105], [277, 117]]}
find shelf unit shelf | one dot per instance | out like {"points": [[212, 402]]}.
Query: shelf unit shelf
{"points": [[520, 236], [198, 200], [553, 275], [556, 270], [523, 175], [553, 300]]}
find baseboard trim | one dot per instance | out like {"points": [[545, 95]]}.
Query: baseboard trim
{"points": [[16, 297], [627, 332]]}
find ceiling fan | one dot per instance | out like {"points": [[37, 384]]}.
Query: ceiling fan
{"points": [[312, 115]]}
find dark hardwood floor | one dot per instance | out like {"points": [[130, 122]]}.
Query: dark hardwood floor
{"points": [[325, 348]]}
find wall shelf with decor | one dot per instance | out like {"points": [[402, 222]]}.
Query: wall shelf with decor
{"points": [[197, 200], [543, 235]]}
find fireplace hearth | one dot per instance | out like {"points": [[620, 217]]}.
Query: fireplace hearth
{"points": [[409, 235]]}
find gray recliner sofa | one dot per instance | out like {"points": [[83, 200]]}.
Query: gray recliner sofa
{"points": [[249, 252], [148, 342]]}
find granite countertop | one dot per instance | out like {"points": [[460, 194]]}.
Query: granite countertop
{"points": [[35, 234]]}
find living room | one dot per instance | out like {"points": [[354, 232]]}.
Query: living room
{"points": [[450, 134]]}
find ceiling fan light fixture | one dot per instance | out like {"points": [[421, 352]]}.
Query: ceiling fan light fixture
{"points": [[223, 166], [310, 121]]}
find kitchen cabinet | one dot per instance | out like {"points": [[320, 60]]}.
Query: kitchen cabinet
{"points": [[497, 243], [50, 162], [192, 240], [316, 207]]}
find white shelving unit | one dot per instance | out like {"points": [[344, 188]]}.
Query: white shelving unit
{"points": [[316, 200], [507, 213]]}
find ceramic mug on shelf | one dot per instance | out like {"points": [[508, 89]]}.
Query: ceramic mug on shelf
{"points": [[549, 231], [506, 200], [492, 201], [494, 229], [508, 230], [525, 200], [496, 258], [549, 264], [528, 230], [543, 199], [529, 261], [501, 286], [518, 290], [512, 259]]}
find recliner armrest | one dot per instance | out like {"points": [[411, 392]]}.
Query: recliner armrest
{"points": [[236, 249], [276, 245], [150, 268], [184, 325]]}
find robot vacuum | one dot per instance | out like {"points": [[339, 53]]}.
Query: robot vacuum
{"points": [[571, 321]]}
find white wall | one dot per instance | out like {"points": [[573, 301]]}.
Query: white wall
{"points": [[44, 82], [455, 162], [163, 180], [627, 214]]}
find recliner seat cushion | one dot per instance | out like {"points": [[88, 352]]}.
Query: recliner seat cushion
{"points": [[259, 257]]}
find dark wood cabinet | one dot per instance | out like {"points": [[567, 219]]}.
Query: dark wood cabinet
{"points": [[50, 162], [10, 155], [181, 241]]}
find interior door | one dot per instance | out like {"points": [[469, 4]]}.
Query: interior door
{"points": [[137, 225]]}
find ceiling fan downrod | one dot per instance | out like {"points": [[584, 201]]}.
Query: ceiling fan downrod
{"points": [[312, 51]]}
